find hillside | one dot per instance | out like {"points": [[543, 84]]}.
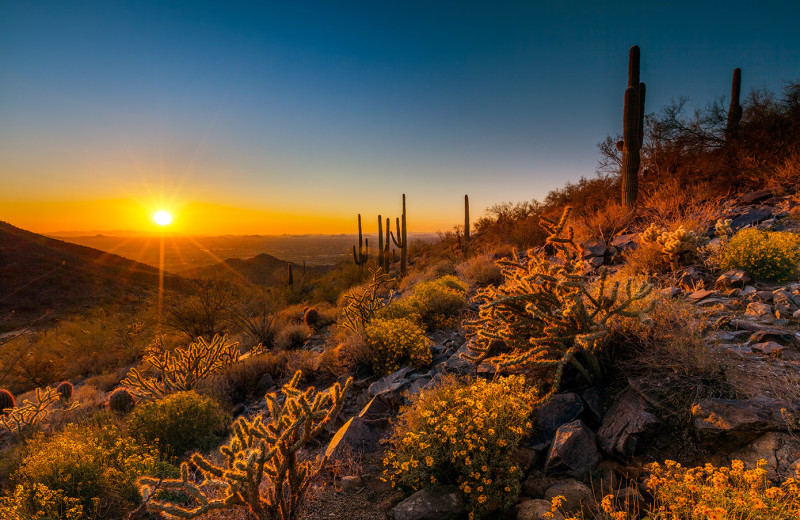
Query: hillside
{"points": [[40, 274], [262, 269]]}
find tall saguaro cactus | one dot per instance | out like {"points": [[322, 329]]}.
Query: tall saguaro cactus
{"points": [[380, 242], [735, 110], [466, 225], [361, 257], [633, 130], [386, 256], [401, 240]]}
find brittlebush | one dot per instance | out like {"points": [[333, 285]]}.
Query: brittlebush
{"points": [[464, 435], [395, 343], [766, 255]]}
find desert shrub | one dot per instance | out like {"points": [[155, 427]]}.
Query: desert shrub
{"points": [[27, 417], [766, 255], [177, 423], [464, 435], [395, 343], [82, 471], [239, 382], [435, 303], [360, 305], [546, 315], [261, 469], [602, 223], [716, 493], [353, 351], [481, 271], [292, 336], [182, 368]]}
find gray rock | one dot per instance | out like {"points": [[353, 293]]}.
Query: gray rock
{"points": [[796, 315], [442, 503], [690, 280], [378, 408], [627, 242], [535, 485], [578, 497], [574, 451], [784, 337], [560, 409], [756, 196], [671, 292], [749, 290], [731, 279], [769, 348], [765, 296], [355, 436], [458, 364], [758, 310], [352, 482], [595, 398], [417, 386], [750, 218], [780, 450], [391, 383], [264, 385], [627, 426], [730, 423], [536, 510], [701, 295]]}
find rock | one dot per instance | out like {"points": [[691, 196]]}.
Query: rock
{"points": [[756, 196], [628, 425], [732, 278], [747, 291], [459, 365], [574, 451], [671, 292], [736, 348], [769, 348], [750, 218], [537, 510], [701, 294], [352, 482], [796, 315], [417, 386], [784, 337], [758, 310], [264, 384], [786, 299], [780, 450], [690, 280], [355, 436], [391, 383], [442, 503], [710, 302], [534, 485], [560, 409], [731, 423], [379, 485], [594, 398], [379, 407], [594, 249], [578, 496], [765, 296], [627, 242]]}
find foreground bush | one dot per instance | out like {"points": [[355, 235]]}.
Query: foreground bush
{"points": [[435, 303], [80, 472], [716, 493], [264, 449], [766, 255], [395, 343], [464, 435], [178, 423]]}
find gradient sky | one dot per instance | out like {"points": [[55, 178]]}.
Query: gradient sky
{"points": [[291, 117]]}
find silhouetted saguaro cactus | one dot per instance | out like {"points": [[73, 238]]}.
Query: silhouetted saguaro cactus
{"points": [[363, 252], [633, 129], [387, 247], [466, 225], [735, 110], [291, 277], [401, 241], [380, 242]]}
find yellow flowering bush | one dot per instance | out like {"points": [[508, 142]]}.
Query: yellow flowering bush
{"points": [[436, 303], [715, 493], [766, 255], [397, 342], [464, 435]]}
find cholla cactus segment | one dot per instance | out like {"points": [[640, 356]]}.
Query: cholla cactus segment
{"points": [[546, 315], [723, 228], [181, 369], [651, 234], [262, 449], [25, 417], [677, 244]]}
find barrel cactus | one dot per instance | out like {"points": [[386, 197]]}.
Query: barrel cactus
{"points": [[65, 389], [6, 400], [121, 401], [311, 317]]}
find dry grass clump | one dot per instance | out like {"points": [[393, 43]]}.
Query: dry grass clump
{"points": [[603, 223], [481, 271], [240, 382], [292, 336]]}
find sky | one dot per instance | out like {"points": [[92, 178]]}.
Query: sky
{"points": [[293, 117]]}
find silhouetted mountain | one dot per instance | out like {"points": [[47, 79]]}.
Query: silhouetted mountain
{"points": [[262, 269], [39, 273]]}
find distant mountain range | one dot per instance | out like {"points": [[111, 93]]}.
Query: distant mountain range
{"points": [[262, 269]]}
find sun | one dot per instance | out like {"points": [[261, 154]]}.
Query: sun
{"points": [[162, 218]]}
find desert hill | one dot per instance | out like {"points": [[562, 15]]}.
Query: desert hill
{"points": [[262, 269]]}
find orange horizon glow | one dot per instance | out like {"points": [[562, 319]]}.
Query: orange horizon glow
{"points": [[198, 218]]}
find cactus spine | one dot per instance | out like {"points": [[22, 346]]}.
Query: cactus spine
{"points": [[363, 252], [466, 225], [6, 401], [633, 130], [735, 110], [401, 241]]}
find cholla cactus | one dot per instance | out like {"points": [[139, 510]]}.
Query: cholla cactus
{"points": [[546, 316], [181, 369], [25, 417], [723, 228], [265, 447], [651, 234], [362, 305], [676, 245]]}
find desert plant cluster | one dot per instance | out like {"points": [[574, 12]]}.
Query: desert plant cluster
{"points": [[624, 349]]}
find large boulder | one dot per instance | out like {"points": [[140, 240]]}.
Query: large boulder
{"points": [[355, 436], [558, 410], [731, 279], [578, 497], [392, 383], [574, 451], [780, 450], [537, 510], [730, 423], [442, 503], [627, 426]]}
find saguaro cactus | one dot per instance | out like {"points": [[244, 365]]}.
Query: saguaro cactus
{"points": [[633, 129], [381, 256], [466, 225], [363, 252], [735, 110], [291, 277], [401, 240], [386, 252]]}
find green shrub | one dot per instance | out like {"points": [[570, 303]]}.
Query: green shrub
{"points": [[83, 471], [481, 271], [395, 343], [437, 303], [766, 255], [178, 423], [464, 435]]}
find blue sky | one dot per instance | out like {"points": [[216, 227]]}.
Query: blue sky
{"points": [[333, 108]]}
